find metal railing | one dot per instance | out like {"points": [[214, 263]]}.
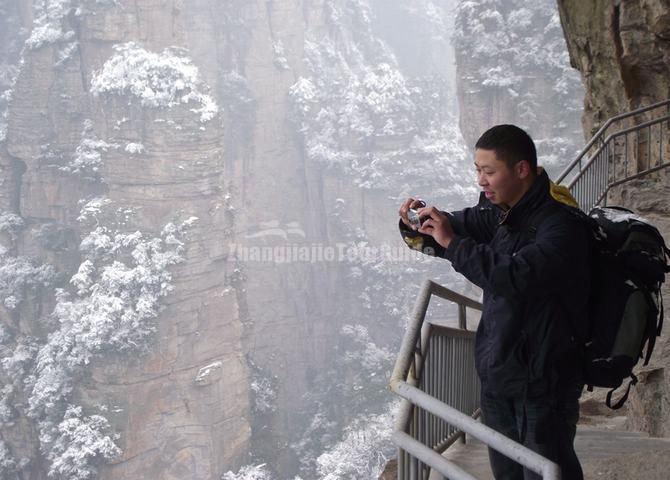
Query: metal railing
{"points": [[626, 147], [434, 371], [435, 374]]}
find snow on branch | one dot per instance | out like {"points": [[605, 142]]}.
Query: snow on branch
{"points": [[364, 450], [249, 472], [20, 273], [48, 23], [87, 158], [81, 439]]}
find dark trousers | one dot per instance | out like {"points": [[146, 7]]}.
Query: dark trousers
{"points": [[550, 426]]}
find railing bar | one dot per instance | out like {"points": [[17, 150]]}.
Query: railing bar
{"points": [[435, 369], [523, 455], [448, 379], [649, 164], [441, 464], [413, 333], [463, 359], [625, 170], [596, 170], [424, 441], [601, 170], [445, 293], [660, 143], [444, 378], [620, 132], [459, 362], [611, 171], [453, 384], [452, 332], [637, 154], [638, 175], [594, 174], [441, 381], [445, 392], [596, 179], [450, 440], [588, 181], [601, 131], [660, 156], [609, 160], [610, 157], [592, 178]]}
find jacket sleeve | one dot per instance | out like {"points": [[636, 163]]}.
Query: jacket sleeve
{"points": [[560, 244], [478, 222]]}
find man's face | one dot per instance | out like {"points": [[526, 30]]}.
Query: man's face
{"points": [[502, 185]]}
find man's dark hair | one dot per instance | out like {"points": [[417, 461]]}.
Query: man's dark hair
{"points": [[511, 145]]}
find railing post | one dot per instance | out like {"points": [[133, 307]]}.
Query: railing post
{"points": [[462, 317]]}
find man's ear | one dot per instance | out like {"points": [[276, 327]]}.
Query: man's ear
{"points": [[522, 169]]}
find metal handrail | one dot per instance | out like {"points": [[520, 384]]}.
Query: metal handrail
{"points": [[609, 165], [599, 134], [404, 380]]}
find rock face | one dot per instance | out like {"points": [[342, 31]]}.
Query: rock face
{"points": [[513, 67], [163, 164], [622, 50], [142, 116]]}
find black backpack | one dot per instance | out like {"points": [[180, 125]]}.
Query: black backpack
{"points": [[626, 308], [628, 266]]}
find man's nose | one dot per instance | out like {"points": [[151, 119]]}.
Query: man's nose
{"points": [[481, 180]]}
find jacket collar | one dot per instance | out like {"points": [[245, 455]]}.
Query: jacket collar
{"points": [[536, 195]]}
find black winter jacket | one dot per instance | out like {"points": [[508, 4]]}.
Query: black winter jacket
{"points": [[535, 283]]}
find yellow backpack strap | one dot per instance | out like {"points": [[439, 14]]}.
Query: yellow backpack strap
{"points": [[562, 194]]}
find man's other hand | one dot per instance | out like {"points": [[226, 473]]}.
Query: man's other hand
{"points": [[437, 225]]}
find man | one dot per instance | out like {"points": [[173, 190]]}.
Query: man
{"points": [[529, 254]]}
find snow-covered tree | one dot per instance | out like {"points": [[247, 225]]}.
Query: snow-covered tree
{"points": [[81, 440], [249, 472], [20, 273], [11, 224], [7, 463], [158, 80], [364, 450], [48, 24], [87, 158]]}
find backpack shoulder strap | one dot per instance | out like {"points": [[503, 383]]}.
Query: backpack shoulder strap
{"points": [[622, 400], [540, 215]]}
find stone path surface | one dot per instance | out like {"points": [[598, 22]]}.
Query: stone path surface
{"points": [[606, 452]]}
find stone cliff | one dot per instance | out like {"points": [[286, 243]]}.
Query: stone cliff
{"points": [[149, 143]]}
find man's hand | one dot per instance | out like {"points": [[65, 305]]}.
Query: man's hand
{"points": [[437, 225], [404, 209]]}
